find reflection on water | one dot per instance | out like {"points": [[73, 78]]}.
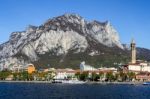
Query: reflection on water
{"points": [[64, 91]]}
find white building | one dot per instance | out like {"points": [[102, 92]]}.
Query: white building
{"points": [[64, 73], [16, 68], [113, 69], [139, 67], [84, 67]]}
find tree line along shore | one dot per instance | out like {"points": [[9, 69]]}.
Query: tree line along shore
{"points": [[7, 75]]}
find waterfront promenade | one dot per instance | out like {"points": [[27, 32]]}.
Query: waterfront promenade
{"points": [[89, 82]]}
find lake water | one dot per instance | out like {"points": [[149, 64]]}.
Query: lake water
{"points": [[65, 91]]}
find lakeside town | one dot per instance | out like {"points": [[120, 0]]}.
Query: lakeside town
{"points": [[135, 71]]}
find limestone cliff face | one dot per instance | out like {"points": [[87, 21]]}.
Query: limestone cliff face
{"points": [[57, 35]]}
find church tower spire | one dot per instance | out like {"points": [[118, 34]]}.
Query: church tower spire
{"points": [[133, 52]]}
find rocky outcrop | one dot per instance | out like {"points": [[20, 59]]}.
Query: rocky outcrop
{"points": [[57, 36]]}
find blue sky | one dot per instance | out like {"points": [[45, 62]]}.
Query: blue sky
{"points": [[131, 18]]}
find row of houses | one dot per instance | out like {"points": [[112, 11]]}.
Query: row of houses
{"points": [[64, 73], [139, 67], [19, 68]]}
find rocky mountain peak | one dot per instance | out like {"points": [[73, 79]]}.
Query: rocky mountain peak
{"points": [[31, 28], [72, 16], [95, 22], [57, 36], [69, 18]]}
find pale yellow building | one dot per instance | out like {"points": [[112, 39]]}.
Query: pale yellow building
{"points": [[30, 68]]}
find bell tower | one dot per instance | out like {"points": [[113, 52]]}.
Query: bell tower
{"points": [[133, 52]]}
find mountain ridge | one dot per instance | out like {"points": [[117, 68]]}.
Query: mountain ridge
{"points": [[62, 37]]}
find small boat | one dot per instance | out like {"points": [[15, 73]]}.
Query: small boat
{"points": [[73, 82], [146, 83]]}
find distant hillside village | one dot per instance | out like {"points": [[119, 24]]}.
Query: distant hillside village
{"points": [[136, 70]]}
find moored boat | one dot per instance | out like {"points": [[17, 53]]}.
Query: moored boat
{"points": [[146, 83], [73, 82]]}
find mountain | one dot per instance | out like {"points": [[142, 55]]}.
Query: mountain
{"points": [[64, 41], [143, 53]]}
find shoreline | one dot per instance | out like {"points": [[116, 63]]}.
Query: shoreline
{"points": [[50, 82], [5, 81], [130, 83]]}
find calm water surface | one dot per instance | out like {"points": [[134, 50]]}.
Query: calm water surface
{"points": [[64, 91]]}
